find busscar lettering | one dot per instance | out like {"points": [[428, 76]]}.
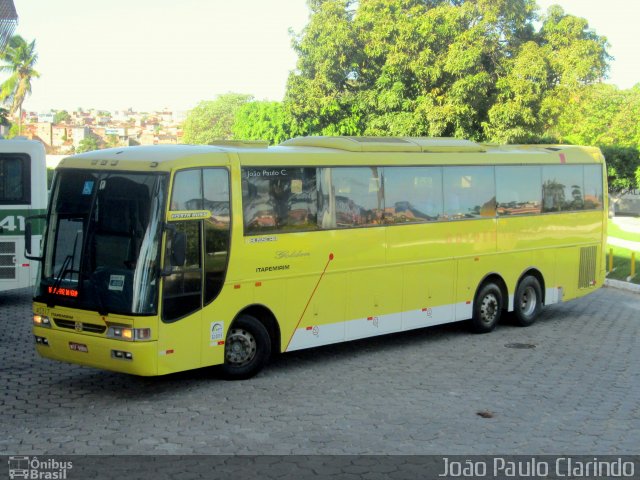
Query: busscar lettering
{"points": [[273, 268], [188, 215]]}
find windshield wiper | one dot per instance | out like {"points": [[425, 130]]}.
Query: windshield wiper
{"points": [[69, 260]]}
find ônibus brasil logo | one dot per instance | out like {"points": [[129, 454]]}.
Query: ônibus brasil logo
{"points": [[36, 469]]}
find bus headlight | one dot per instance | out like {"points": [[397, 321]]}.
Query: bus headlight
{"points": [[129, 334], [41, 320]]}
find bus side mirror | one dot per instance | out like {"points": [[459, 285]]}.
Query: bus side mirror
{"points": [[176, 254], [28, 236]]}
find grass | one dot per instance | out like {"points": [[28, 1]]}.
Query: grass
{"points": [[622, 264], [614, 230]]}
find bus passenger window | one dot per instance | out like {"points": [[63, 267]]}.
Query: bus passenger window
{"points": [[412, 194], [593, 187], [469, 192], [278, 199], [351, 197], [518, 190], [562, 188]]}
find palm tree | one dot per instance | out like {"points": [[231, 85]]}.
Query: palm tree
{"points": [[20, 58]]}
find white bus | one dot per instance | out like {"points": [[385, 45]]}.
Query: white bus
{"points": [[23, 193]]}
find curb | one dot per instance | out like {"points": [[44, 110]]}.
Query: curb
{"points": [[629, 287]]}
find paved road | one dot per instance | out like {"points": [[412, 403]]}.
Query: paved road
{"points": [[576, 392]]}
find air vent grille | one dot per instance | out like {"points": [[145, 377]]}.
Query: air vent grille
{"points": [[587, 276]]}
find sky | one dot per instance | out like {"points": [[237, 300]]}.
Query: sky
{"points": [[155, 54]]}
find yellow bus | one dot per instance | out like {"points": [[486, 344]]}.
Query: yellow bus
{"points": [[166, 258]]}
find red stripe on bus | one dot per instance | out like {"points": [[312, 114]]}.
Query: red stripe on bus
{"points": [[309, 301]]}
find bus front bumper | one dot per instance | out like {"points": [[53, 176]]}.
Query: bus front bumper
{"points": [[137, 358]]}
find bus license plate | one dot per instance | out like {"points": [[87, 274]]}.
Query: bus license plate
{"points": [[78, 347]]}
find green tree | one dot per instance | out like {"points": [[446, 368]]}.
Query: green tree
{"points": [[87, 144], [20, 59], [623, 164], [262, 121], [112, 141], [515, 116], [61, 116], [624, 128], [213, 119], [607, 117], [467, 68], [4, 117]]}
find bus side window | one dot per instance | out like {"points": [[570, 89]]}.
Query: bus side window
{"points": [[182, 291], [216, 230], [412, 194], [518, 189], [469, 192], [14, 176], [183, 288], [351, 197], [593, 187], [562, 187], [279, 200]]}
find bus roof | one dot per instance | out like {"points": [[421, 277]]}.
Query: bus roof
{"points": [[438, 150]]}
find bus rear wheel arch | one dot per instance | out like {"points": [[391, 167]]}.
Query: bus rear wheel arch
{"points": [[247, 348], [527, 302]]}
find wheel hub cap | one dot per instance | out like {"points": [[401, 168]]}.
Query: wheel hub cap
{"points": [[489, 309], [529, 301], [240, 347]]}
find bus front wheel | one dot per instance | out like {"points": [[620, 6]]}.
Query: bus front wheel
{"points": [[487, 308], [527, 303], [247, 348]]}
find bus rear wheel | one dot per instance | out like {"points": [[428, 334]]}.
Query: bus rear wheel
{"points": [[527, 303], [487, 308], [247, 348]]}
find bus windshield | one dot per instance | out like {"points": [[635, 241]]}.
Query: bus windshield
{"points": [[102, 247]]}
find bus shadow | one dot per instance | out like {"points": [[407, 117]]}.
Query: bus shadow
{"points": [[88, 381], [371, 345], [392, 342], [118, 385]]}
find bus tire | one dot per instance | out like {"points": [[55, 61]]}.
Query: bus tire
{"points": [[527, 303], [247, 348], [487, 308]]}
